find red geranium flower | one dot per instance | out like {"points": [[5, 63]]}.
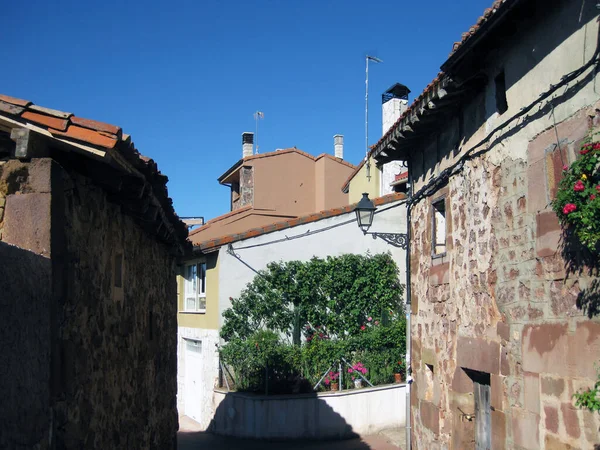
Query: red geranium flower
{"points": [[592, 197], [569, 208], [579, 186], [598, 188], [362, 327]]}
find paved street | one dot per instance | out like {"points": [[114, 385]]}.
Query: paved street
{"points": [[189, 438]]}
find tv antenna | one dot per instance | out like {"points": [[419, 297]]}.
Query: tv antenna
{"points": [[376, 60], [257, 116]]}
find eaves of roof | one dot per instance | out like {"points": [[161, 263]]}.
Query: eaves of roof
{"points": [[214, 244], [222, 179], [438, 88], [107, 143]]}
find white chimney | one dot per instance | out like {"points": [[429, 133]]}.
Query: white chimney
{"points": [[247, 144], [338, 146], [394, 102]]}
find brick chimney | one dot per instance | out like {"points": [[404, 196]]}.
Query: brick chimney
{"points": [[247, 144], [338, 146], [394, 102]]}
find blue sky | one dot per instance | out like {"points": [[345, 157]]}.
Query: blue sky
{"points": [[184, 78]]}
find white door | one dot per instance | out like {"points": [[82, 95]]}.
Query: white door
{"points": [[193, 379]]}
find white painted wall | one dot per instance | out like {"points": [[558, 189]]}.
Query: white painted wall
{"points": [[388, 176], [321, 416], [210, 369], [338, 238]]}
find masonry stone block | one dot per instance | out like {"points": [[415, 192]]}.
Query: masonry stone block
{"points": [[526, 429], [548, 233], [532, 392], [553, 387], [570, 419], [430, 416], [27, 222], [478, 354], [498, 430]]}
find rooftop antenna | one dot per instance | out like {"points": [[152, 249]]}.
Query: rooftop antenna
{"points": [[257, 116], [376, 60]]}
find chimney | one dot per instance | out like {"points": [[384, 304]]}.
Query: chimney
{"points": [[394, 102], [247, 144], [338, 146]]}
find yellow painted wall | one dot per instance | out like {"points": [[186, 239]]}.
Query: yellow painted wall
{"points": [[360, 183], [209, 319]]}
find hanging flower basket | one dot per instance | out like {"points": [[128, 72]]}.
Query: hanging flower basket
{"points": [[577, 202]]}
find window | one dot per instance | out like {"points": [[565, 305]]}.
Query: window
{"points": [[501, 102], [439, 227], [195, 287]]}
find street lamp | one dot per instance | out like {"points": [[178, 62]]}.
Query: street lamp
{"points": [[365, 211]]}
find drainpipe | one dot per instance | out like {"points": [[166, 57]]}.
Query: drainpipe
{"points": [[408, 311]]}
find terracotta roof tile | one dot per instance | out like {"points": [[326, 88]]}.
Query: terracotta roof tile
{"points": [[86, 135], [14, 101], [11, 109], [212, 244], [67, 127], [42, 119], [51, 112], [95, 125]]}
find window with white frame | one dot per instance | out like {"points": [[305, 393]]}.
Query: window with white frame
{"points": [[195, 287]]}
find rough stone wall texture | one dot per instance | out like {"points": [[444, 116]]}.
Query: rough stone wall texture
{"points": [[500, 301], [120, 383], [25, 298], [90, 364], [504, 306]]}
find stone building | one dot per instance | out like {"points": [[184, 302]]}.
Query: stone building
{"points": [[88, 242], [501, 335]]}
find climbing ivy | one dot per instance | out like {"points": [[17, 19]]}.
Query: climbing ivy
{"points": [[336, 295]]}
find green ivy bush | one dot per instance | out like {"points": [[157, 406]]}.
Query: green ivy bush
{"points": [[348, 306]]}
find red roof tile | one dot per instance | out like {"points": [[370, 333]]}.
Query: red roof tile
{"points": [[66, 126], [212, 244], [41, 119], [14, 101], [83, 134], [95, 125]]}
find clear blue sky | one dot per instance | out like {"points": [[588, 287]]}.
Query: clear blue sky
{"points": [[184, 78]]}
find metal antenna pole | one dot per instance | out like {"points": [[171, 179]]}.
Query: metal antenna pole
{"points": [[377, 60], [257, 115]]}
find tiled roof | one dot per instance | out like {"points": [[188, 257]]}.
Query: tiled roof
{"points": [[92, 135], [487, 15], [213, 244], [401, 176], [283, 152], [221, 218], [441, 78]]}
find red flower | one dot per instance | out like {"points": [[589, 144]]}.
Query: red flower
{"points": [[596, 146], [598, 188], [569, 208], [363, 327], [565, 167], [592, 197], [579, 186]]}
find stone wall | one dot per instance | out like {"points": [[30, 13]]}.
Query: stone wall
{"points": [[499, 307], [105, 338]]}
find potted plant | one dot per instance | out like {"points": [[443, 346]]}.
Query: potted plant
{"points": [[399, 371], [331, 380], [357, 368]]}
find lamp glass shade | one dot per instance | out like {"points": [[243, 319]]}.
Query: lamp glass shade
{"points": [[365, 211]]}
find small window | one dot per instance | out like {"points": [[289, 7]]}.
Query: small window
{"points": [[118, 270], [195, 287], [501, 102], [439, 227]]}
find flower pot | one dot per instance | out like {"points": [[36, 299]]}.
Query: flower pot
{"points": [[358, 383], [398, 377], [335, 386]]}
